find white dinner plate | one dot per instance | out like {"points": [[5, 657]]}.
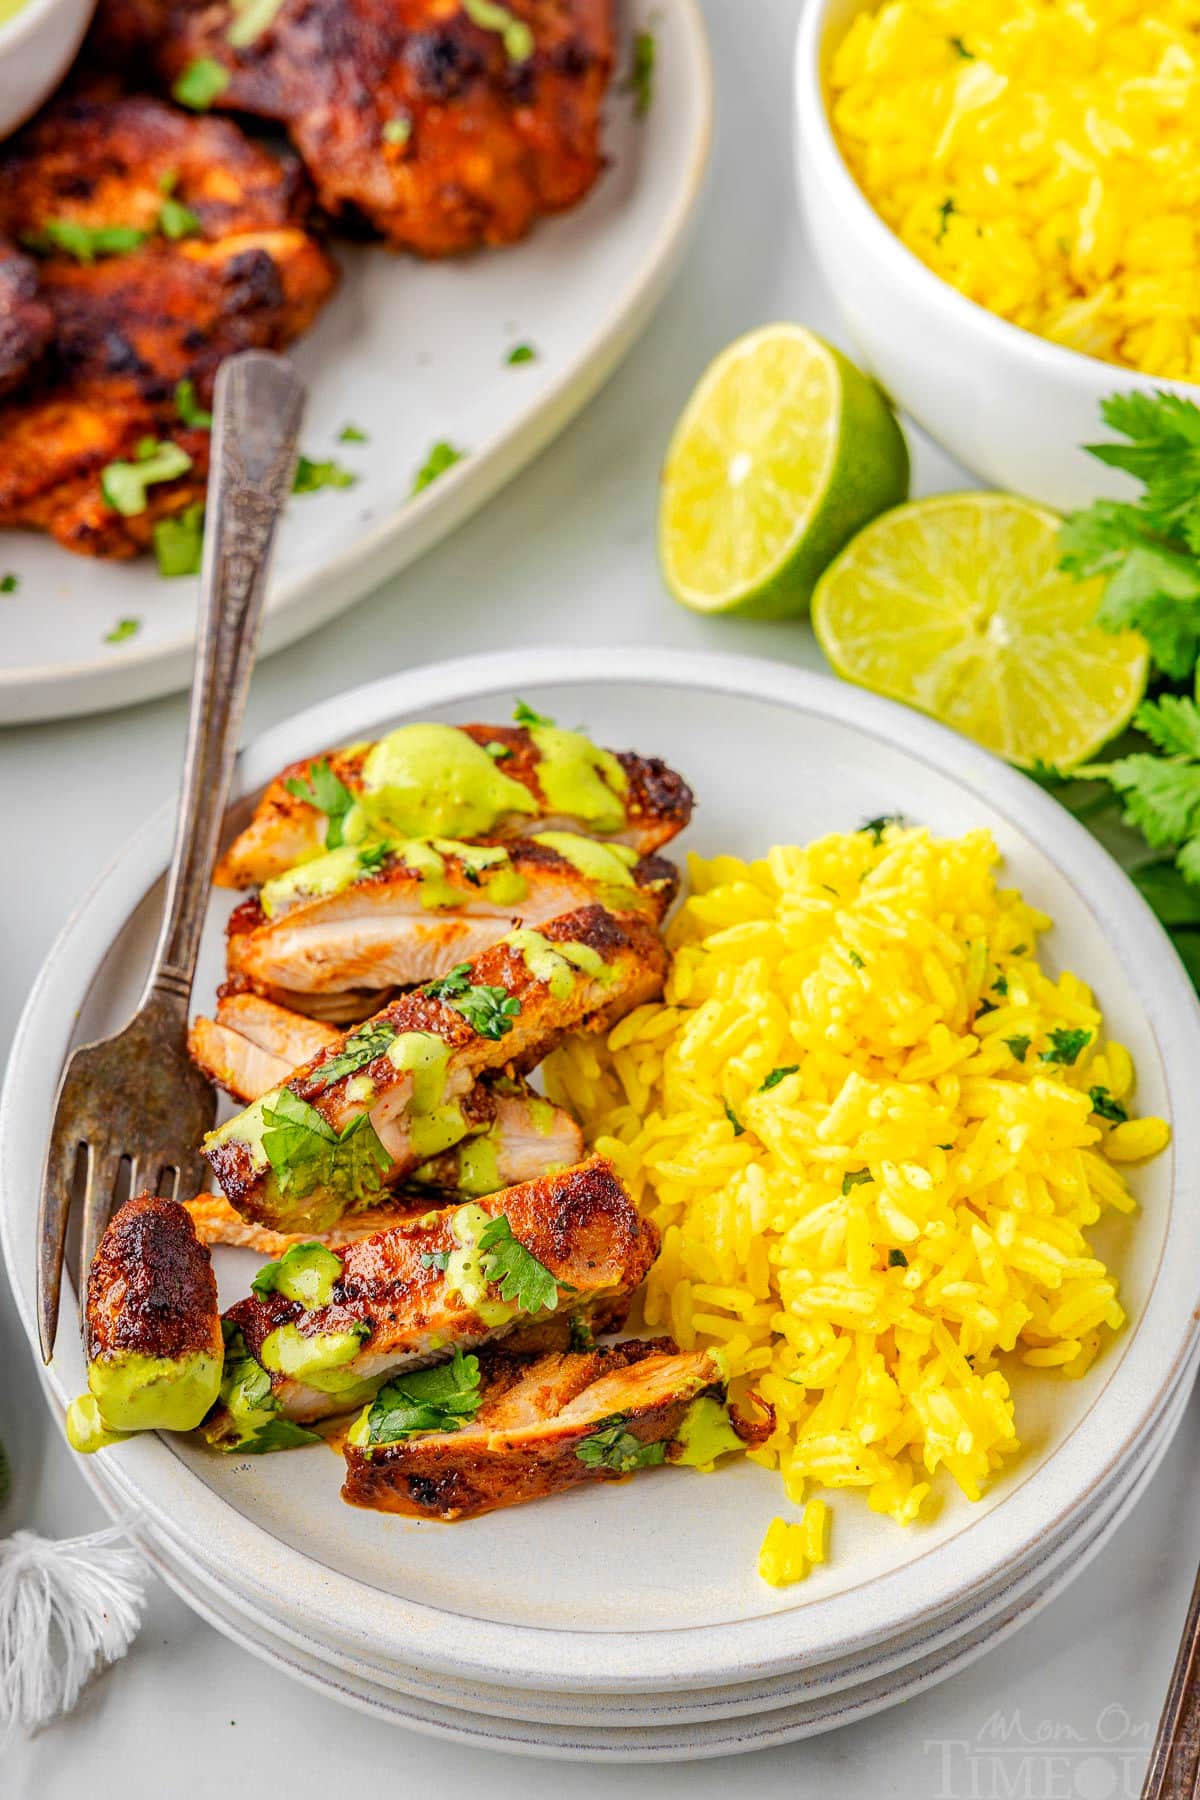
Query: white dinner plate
{"points": [[650, 1586], [410, 352]]}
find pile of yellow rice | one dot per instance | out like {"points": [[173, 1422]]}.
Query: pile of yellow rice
{"points": [[1043, 156], [871, 1235]]}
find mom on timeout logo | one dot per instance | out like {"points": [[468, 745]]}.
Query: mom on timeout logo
{"points": [[1014, 1758]]}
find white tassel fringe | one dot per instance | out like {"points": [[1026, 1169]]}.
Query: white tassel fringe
{"points": [[63, 1607]]}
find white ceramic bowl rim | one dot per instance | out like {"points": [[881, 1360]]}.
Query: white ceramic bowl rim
{"points": [[24, 22], [1125, 1409], [922, 283]]}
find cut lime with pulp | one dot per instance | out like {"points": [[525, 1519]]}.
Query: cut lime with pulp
{"points": [[957, 605], [784, 450]]}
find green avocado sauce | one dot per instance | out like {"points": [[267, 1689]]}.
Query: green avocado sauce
{"points": [[464, 1270], [434, 1123], [479, 1165], [318, 879], [318, 1361], [305, 1273], [609, 864], [554, 964], [705, 1433], [129, 1392], [430, 780], [579, 780]]}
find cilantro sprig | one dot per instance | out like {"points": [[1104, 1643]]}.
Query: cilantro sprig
{"points": [[521, 1277], [328, 793], [488, 1010], [613, 1446], [444, 1398], [307, 1153], [362, 1047]]}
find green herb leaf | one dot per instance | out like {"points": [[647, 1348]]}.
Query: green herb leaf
{"points": [[179, 541], [444, 1398], [498, 752], [363, 1046], [519, 1273], [521, 353], [1066, 1042], [250, 19], [946, 212], [443, 456], [515, 34], [191, 413], [778, 1075], [960, 49], [329, 794], [488, 1010], [855, 959], [1019, 1046], [277, 1434], [1104, 1104], [124, 484], [639, 82], [738, 1127], [523, 714], [435, 1259], [580, 1337], [306, 1153], [897, 1259], [176, 220], [311, 477], [878, 826], [9, 584], [612, 1446], [84, 242], [854, 1178], [352, 434], [122, 631], [200, 83], [310, 1260]]}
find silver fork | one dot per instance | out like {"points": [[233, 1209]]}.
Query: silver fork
{"points": [[136, 1098]]}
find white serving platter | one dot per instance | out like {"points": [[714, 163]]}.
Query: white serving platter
{"points": [[650, 1587], [411, 353]]}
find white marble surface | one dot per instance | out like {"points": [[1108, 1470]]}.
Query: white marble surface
{"points": [[565, 555]]}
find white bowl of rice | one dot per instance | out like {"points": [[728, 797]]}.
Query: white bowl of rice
{"points": [[979, 203]]}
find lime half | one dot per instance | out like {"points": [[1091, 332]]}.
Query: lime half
{"points": [[957, 605], [784, 450]]}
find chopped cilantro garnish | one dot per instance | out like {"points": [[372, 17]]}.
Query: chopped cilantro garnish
{"points": [[352, 434], [514, 33], [897, 1259], [856, 959], [303, 1273], [191, 413], [960, 49], [520, 1275], [179, 541], [738, 1127], [1107, 1107], [498, 752], [488, 1010], [330, 795], [778, 1075], [124, 484], [523, 714], [435, 1259], [1000, 985], [854, 1178], [84, 242], [123, 629], [176, 220], [639, 82], [521, 353], [306, 1152], [311, 477], [1019, 1046], [946, 212], [201, 82], [443, 456], [580, 1337], [363, 1046], [9, 583], [878, 826], [612, 1446], [1065, 1044], [277, 1434], [444, 1398]]}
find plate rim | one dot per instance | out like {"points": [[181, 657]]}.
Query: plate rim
{"points": [[39, 692], [771, 1642]]}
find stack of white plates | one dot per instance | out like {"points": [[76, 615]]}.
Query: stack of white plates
{"points": [[628, 1621]]}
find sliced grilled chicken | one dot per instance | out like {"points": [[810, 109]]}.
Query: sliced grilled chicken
{"points": [[395, 1092], [536, 1426], [469, 781], [353, 924], [405, 1297], [252, 1045], [152, 1328]]}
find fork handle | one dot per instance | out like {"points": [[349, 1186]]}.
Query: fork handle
{"points": [[257, 407], [1174, 1771]]}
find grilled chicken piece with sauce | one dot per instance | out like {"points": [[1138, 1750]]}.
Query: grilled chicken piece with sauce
{"points": [[528, 1427], [206, 254], [457, 781], [326, 1327], [26, 322], [397, 1090], [444, 125], [152, 1328], [338, 929]]}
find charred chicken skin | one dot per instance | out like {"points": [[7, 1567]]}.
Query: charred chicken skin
{"points": [[152, 1328], [390, 1094], [337, 931], [165, 243], [445, 125], [522, 1428], [450, 1280], [494, 782]]}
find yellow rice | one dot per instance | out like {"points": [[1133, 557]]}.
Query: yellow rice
{"points": [[1043, 156], [874, 1238]]}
